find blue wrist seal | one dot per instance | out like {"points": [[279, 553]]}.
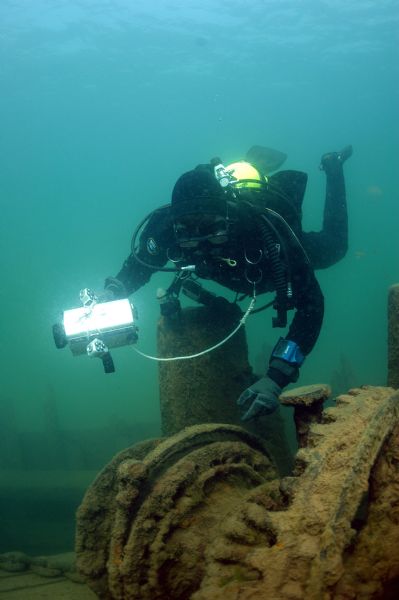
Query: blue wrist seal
{"points": [[289, 352]]}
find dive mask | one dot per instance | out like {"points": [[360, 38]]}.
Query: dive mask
{"points": [[191, 230]]}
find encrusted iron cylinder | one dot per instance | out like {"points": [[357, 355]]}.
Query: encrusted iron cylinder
{"points": [[393, 336], [205, 389]]}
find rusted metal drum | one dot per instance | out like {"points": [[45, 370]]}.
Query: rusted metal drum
{"points": [[203, 515]]}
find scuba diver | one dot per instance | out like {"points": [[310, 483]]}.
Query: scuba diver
{"points": [[240, 226]]}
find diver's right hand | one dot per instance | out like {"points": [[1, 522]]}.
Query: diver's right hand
{"points": [[332, 161], [113, 290]]}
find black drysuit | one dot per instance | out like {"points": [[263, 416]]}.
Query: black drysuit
{"points": [[299, 252]]}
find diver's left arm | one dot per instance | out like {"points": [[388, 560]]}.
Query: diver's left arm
{"points": [[328, 246], [261, 398], [289, 354]]}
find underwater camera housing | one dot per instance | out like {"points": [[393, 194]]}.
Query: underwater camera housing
{"points": [[96, 327]]}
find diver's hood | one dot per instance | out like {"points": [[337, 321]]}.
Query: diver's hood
{"points": [[198, 191]]}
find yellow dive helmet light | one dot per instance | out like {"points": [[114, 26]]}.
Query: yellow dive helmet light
{"points": [[244, 176]]}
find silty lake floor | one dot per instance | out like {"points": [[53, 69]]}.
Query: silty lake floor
{"points": [[27, 585]]}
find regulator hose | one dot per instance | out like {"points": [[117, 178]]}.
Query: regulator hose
{"points": [[278, 273]]}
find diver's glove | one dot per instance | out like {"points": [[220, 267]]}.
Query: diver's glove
{"points": [[331, 161], [261, 398], [113, 290], [169, 303]]}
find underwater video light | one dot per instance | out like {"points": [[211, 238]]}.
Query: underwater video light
{"points": [[96, 327]]}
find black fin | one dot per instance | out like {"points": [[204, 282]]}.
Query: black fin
{"points": [[266, 160], [345, 153]]}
